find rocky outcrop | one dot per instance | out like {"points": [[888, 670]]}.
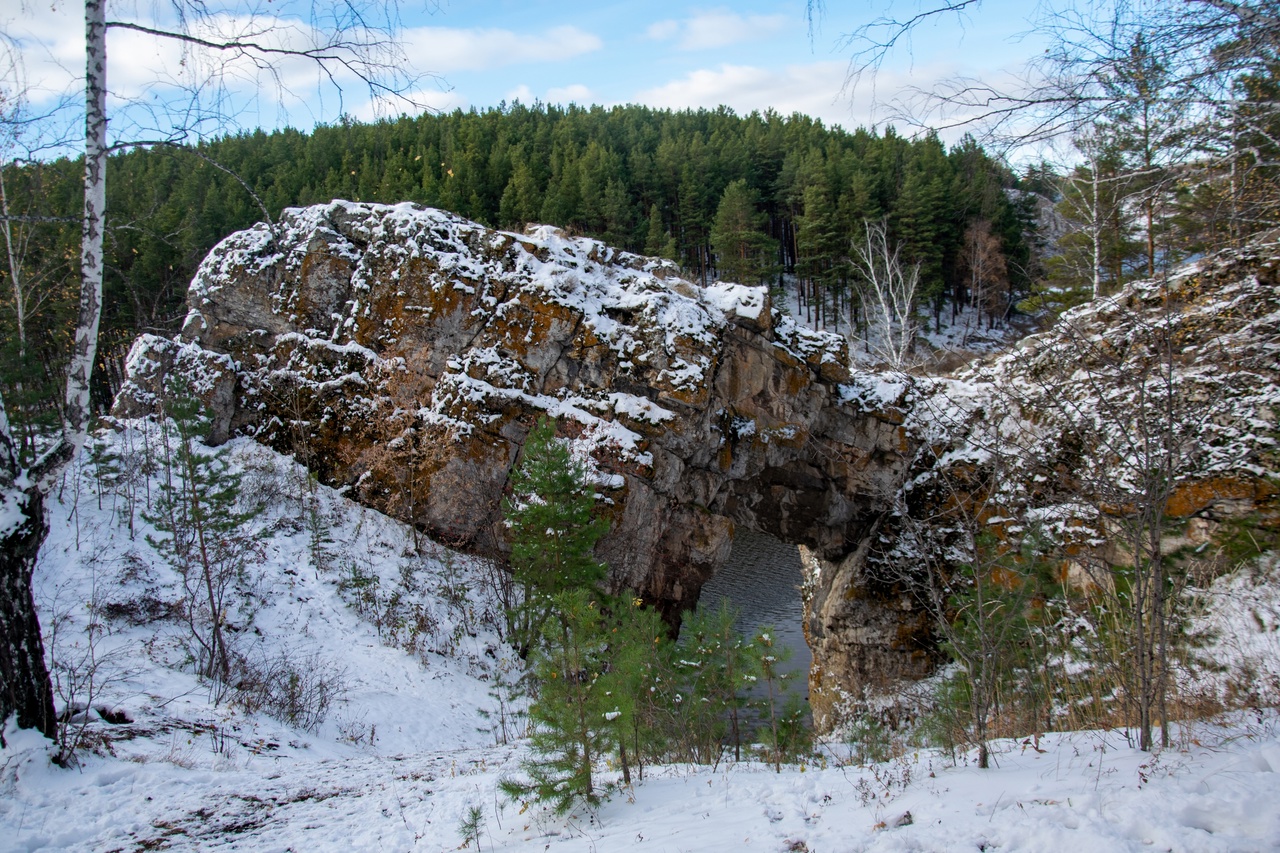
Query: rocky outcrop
{"points": [[405, 353], [1153, 413]]}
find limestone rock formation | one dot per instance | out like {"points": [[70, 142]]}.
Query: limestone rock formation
{"points": [[406, 352], [1156, 409]]}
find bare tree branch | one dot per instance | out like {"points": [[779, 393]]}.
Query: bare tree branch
{"points": [[875, 41], [369, 53]]}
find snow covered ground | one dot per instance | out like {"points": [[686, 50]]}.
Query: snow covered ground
{"points": [[404, 751]]}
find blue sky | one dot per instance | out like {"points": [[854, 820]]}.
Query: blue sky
{"points": [[748, 55]]}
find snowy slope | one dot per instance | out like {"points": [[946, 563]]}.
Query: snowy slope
{"points": [[401, 755]]}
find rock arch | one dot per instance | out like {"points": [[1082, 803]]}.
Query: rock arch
{"points": [[406, 352]]}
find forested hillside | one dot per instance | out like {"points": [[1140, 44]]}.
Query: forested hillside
{"points": [[743, 198]]}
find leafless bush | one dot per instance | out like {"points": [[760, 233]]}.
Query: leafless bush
{"points": [[295, 690], [80, 670]]}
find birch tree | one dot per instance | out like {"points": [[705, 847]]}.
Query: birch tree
{"points": [[349, 43], [890, 298]]}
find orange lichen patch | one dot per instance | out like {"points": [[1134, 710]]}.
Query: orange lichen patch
{"points": [[587, 339], [1006, 578], [794, 381], [314, 271], [693, 398], [406, 304], [834, 371], [903, 440], [786, 358], [529, 325], [1190, 498], [895, 417], [725, 457], [1001, 528]]}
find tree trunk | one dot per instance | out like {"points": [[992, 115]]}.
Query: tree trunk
{"points": [[25, 687], [85, 346]]}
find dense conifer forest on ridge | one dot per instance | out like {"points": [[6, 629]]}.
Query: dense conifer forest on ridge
{"points": [[646, 180]]}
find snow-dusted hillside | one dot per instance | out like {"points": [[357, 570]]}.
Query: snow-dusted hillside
{"points": [[404, 752]]}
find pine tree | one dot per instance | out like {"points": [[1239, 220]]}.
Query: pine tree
{"points": [[204, 532], [598, 668], [718, 669], [574, 714], [744, 252], [769, 659], [619, 223], [656, 236], [820, 246], [659, 243], [639, 657], [550, 516]]}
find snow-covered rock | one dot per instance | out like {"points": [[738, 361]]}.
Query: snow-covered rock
{"points": [[405, 352], [1156, 406]]}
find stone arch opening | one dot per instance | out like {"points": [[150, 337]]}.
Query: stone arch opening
{"points": [[762, 580]]}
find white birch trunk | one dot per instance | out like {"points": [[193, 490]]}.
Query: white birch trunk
{"points": [[1096, 236], [84, 348], [15, 278], [26, 690], [893, 295]]}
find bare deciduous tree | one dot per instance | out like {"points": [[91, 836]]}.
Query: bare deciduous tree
{"points": [[982, 257], [349, 42], [1141, 412], [890, 295], [1093, 196]]}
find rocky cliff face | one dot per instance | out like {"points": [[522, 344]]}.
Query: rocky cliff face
{"points": [[406, 353], [1156, 409]]}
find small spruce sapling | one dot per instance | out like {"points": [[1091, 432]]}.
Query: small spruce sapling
{"points": [[204, 534], [718, 668], [574, 714], [471, 825], [638, 654], [550, 513], [770, 660]]}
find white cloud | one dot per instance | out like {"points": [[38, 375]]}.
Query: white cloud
{"points": [[442, 50], [815, 89], [810, 89], [716, 28], [663, 30], [576, 93], [521, 93], [151, 79], [51, 49]]}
